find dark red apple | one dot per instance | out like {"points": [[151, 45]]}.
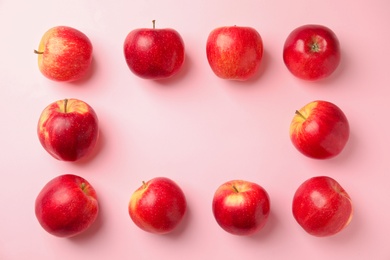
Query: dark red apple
{"points": [[158, 206], [312, 52], [319, 130], [234, 52], [68, 129], [66, 206], [241, 207], [322, 207], [64, 54], [154, 53]]}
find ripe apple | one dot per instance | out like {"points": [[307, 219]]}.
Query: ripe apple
{"points": [[234, 52], [322, 207], [154, 53], [66, 206], [68, 129], [319, 130], [312, 52], [241, 207], [64, 54], [158, 206]]}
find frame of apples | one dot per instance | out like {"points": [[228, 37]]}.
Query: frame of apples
{"points": [[68, 130]]}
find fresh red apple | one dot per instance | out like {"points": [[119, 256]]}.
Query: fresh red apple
{"points": [[158, 206], [68, 129], [241, 207], [154, 53], [312, 52], [234, 52], [319, 130], [322, 207], [66, 206], [64, 54]]}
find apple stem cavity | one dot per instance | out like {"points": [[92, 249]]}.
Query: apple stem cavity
{"points": [[315, 47], [38, 52], [300, 114]]}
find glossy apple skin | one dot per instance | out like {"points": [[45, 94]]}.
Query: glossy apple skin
{"points": [[68, 129], [158, 206], [322, 207], [66, 206], [320, 130], [154, 53], [241, 207], [234, 52], [64, 54], [312, 52]]}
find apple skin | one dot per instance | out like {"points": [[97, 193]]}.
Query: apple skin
{"points": [[319, 130], [68, 129], [66, 206], [64, 54], [312, 52], [241, 207], [152, 53], [322, 207], [158, 206], [234, 52]]}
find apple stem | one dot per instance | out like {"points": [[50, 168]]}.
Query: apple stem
{"points": [[65, 105], [300, 114], [235, 189], [144, 184], [38, 52], [154, 24]]}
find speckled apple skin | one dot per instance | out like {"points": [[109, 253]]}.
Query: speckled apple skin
{"points": [[234, 52], [158, 206], [154, 53], [241, 207], [68, 129], [67, 206], [320, 130], [64, 54], [312, 52], [322, 207]]}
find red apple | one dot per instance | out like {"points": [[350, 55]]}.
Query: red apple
{"points": [[234, 52], [68, 129], [319, 130], [64, 54], [322, 207], [241, 207], [66, 206], [158, 206], [154, 53], [312, 52]]}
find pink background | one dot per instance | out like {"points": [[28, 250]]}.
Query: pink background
{"points": [[196, 129]]}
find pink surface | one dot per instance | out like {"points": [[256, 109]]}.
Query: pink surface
{"points": [[196, 129]]}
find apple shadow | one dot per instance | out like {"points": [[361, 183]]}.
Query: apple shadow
{"points": [[174, 80], [353, 229], [92, 230], [95, 152], [267, 230], [89, 74], [180, 229], [348, 151]]}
